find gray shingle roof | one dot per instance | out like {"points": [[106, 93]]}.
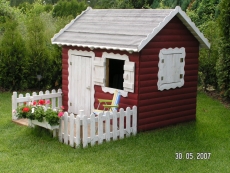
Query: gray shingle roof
{"points": [[121, 29]]}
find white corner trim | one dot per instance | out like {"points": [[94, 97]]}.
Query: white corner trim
{"points": [[68, 25], [83, 53], [184, 18], [157, 29], [112, 90], [162, 68]]}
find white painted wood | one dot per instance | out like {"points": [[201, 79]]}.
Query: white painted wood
{"points": [[82, 124], [71, 124], [114, 124], [171, 68], [112, 90], [129, 78], [78, 132], [121, 123], [107, 126], [59, 97], [53, 100], [66, 128], [128, 113], [134, 122], [100, 128], [92, 129], [61, 129], [14, 105], [79, 84], [85, 131], [99, 71]]}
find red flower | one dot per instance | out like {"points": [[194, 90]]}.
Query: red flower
{"points": [[25, 109], [34, 103], [41, 102]]}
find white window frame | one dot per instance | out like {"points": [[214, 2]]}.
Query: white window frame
{"points": [[171, 70], [100, 68]]}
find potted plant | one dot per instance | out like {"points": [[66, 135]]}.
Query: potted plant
{"points": [[40, 113]]}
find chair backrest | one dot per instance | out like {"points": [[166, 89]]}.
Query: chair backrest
{"points": [[116, 99]]}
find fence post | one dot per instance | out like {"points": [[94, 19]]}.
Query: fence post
{"points": [[127, 121], [121, 123], [60, 98], [134, 120], [14, 105], [78, 131], [85, 131]]}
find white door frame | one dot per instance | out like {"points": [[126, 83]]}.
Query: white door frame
{"points": [[89, 54]]}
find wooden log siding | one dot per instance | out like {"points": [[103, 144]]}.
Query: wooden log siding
{"points": [[161, 108], [124, 102]]}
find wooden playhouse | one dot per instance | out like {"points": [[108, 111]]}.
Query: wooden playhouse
{"points": [[150, 55]]}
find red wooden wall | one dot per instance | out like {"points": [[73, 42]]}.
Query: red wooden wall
{"points": [[161, 108], [132, 98], [155, 108]]}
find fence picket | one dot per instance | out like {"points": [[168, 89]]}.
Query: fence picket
{"points": [[100, 128], [78, 132], [92, 129], [66, 127], [85, 131], [59, 97], [121, 125], [127, 121], [60, 129], [115, 125], [107, 126], [71, 123], [53, 100], [134, 124]]}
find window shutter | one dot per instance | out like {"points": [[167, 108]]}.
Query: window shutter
{"points": [[129, 69], [99, 71]]}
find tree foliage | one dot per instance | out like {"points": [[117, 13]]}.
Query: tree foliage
{"points": [[66, 8], [223, 65]]}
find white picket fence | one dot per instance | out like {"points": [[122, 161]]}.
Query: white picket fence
{"points": [[54, 96], [80, 129]]}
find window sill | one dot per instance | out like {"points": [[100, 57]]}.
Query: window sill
{"points": [[111, 91]]}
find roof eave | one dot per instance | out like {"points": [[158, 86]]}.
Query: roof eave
{"points": [[185, 19], [130, 50]]}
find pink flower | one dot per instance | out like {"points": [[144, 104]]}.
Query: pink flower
{"points": [[47, 102], [60, 114], [14, 111], [62, 107]]}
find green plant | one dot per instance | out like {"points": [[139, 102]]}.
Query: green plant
{"points": [[40, 111]]}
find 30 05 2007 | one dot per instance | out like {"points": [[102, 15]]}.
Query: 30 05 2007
{"points": [[193, 156]]}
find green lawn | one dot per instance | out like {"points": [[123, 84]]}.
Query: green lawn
{"points": [[23, 149]]}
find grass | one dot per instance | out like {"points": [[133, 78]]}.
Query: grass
{"points": [[23, 149]]}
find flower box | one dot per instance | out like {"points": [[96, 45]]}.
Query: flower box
{"points": [[44, 124]]}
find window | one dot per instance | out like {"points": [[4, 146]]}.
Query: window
{"points": [[171, 68], [114, 71]]}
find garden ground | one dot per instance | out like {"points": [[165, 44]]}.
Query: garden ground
{"points": [[23, 149]]}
